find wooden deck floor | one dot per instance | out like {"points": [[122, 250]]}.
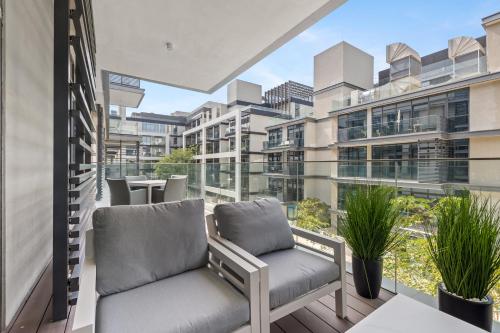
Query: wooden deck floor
{"points": [[318, 317]]}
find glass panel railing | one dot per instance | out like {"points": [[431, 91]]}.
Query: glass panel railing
{"points": [[312, 195], [431, 75], [352, 133], [407, 126]]}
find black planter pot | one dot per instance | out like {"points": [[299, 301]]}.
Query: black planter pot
{"points": [[367, 275], [479, 314]]}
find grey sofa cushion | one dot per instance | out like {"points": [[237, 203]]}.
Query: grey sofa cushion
{"points": [[258, 227], [135, 245], [195, 301], [293, 273]]}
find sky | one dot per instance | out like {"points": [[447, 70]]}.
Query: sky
{"points": [[425, 25]]}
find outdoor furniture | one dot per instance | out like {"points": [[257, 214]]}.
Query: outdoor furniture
{"points": [[121, 194], [402, 314], [174, 190], [132, 178], [148, 185], [151, 269], [291, 276]]}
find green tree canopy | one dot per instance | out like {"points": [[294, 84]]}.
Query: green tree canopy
{"points": [[176, 163], [312, 214]]}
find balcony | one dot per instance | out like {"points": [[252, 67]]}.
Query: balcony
{"points": [[287, 144], [125, 91], [407, 269], [409, 126], [431, 75], [351, 133]]}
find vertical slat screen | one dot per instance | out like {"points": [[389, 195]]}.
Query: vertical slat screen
{"points": [[75, 124]]}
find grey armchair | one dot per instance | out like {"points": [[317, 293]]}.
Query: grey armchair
{"points": [[174, 190], [121, 194], [152, 269], [292, 275]]}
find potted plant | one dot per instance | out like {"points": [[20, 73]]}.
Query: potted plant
{"points": [[371, 227], [465, 246]]}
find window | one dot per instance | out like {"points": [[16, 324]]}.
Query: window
{"points": [[404, 165], [352, 126], [295, 163], [296, 133], [355, 165], [458, 171], [458, 111], [294, 190], [275, 137], [153, 127], [467, 64], [422, 115], [405, 67], [274, 163]]}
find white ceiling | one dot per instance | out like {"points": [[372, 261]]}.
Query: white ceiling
{"points": [[214, 40]]}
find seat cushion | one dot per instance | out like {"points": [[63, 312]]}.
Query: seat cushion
{"points": [[257, 227], [195, 301], [135, 245], [295, 272]]}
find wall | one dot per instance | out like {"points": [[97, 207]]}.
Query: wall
{"points": [[493, 45], [28, 147], [343, 63], [244, 91], [485, 106], [484, 172]]}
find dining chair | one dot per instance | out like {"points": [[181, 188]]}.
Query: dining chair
{"points": [[174, 190], [121, 194], [134, 178]]}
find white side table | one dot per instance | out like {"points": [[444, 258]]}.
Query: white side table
{"points": [[402, 314]]}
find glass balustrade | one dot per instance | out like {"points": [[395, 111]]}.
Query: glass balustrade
{"points": [[313, 195], [431, 75]]}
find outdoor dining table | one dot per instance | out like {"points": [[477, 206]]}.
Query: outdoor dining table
{"points": [[149, 184]]}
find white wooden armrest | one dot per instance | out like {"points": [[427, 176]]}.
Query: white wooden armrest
{"points": [[245, 271], [84, 320], [336, 243], [263, 277]]}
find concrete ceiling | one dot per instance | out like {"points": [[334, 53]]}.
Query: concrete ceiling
{"points": [[213, 40]]}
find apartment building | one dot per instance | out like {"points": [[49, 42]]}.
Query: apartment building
{"points": [[424, 119], [135, 142], [416, 128], [229, 139]]}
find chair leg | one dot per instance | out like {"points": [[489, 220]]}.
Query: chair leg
{"points": [[341, 301]]}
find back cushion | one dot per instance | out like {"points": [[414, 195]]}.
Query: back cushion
{"points": [[135, 245], [258, 227]]}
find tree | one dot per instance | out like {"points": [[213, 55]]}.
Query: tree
{"points": [[176, 163], [313, 214], [415, 211]]}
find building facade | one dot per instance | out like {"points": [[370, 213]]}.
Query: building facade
{"points": [[423, 127], [229, 139], [135, 142]]}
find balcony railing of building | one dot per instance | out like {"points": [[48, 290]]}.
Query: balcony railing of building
{"points": [[423, 124], [431, 75], [124, 81], [351, 133], [292, 143]]}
